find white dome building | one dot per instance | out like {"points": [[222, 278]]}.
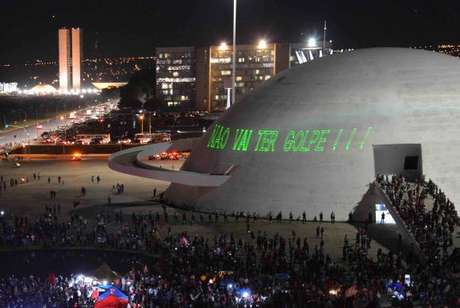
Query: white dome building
{"points": [[314, 137]]}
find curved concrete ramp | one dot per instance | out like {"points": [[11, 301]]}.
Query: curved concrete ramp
{"points": [[132, 161]]}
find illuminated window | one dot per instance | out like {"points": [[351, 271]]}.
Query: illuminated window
{"points": [[267, 77], [221, 60], [257, 72], [226, 73], [241, 60], [238, 78], [175, 74]]}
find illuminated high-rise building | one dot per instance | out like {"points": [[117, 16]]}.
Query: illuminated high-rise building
{"points": [[255, 64], [200, 77], [77, 54], [64, 58], [70, 55], [175, 75]]}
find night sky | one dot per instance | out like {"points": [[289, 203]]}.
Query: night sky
{"points": [[28, 29]]}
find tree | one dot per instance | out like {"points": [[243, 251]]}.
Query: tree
{"points": [[139, 90]]}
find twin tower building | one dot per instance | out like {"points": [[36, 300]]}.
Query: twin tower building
{"points": [[70, 56]]}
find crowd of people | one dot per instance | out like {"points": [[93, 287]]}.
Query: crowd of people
{"points": [[259, 269], [430, 217], [192, 271], [432, 225], [197, 271]]}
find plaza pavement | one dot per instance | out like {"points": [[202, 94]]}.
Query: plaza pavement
{"points": [[31, 198]]}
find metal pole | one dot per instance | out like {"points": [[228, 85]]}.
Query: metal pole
{"points": [[234, 52], [150, 123], [324, 37]]}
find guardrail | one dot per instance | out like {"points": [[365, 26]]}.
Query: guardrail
{"points": [[58, 156]]}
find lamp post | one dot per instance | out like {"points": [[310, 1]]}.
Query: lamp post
{"points": [[234, 52], [142, 123]]}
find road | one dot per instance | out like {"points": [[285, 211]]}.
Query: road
{"points": [[26, 134]]}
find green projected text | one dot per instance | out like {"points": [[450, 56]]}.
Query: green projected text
{"points": [[242, 139], [294, 141]]}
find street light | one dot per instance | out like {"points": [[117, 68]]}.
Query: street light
{"points": [[223, 46], [234, 52], [141, 117], [262, 44]]}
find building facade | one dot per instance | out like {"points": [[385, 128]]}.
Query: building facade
{"points": [[201, 77], [70, 55], [64, 59], [77, 55], [176, 76], [254, 65]]}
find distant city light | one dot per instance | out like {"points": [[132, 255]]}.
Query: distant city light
{"points": [[311, 42], [262, 44], [223, 46], [48, 90]]}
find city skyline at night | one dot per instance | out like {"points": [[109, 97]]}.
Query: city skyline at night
{"points": [[121, 30]]}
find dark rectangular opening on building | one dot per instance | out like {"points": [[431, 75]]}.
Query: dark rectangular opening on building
{"points": [[399, 159], [411, 163]]}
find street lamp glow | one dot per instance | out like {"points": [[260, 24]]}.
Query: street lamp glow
{"points": [[311, 42], [141, 117], [262, 44], [223, 46]]}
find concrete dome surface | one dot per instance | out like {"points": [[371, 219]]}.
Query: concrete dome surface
{"points": [[314, 137]]}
